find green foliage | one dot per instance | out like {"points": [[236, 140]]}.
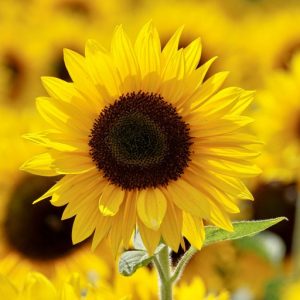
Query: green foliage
{"points": [[241, 229], [131, 260]]}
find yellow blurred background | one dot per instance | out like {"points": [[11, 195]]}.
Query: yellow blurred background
{"points": [[258, 41]]}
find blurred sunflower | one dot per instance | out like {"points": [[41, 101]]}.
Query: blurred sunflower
{"points": [[34, 237], [31, 44], [37, 286], [196, 290], [141, 139], [275, 51], [16, 69], [226, 266], [278, 124]]}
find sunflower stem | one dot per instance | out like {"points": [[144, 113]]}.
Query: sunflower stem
{"points": [[182, 264], [296, 237], [163, 266]]}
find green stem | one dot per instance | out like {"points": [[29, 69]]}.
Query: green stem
{"points": [[182, 263], [163, 265], [296, 238]]}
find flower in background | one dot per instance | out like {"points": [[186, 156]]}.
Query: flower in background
{"points": [[278, 124], [34, 237], [142, 140], [196, 290], [37, 286]]}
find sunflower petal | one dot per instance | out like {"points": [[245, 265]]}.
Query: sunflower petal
{"points": [[125, 59], [150, 237], [193, 230], [151, 207], [110, 200], [147, 48], [192, 54], [171, 226], [41, 164]]}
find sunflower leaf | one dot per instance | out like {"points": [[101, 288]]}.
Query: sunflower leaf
{"points": [[241, 229], [130, 261]]}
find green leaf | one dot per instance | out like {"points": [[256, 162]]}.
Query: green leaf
{"points": [[130, 261], [241, 229]]}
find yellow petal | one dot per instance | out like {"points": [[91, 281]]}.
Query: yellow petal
{"points": [[222, 102], [81, 196], [219, 218], [110, 200], [129, 219], [102, 228], [244, 101], [223, 126], [208, 88], [85, 222], [171, 226], [43, 138], [58, 88], [171, 47], [125, 59], [188, 198], [41, 164], [150, 237], [151, 207], [172, 87], [71, 163], [147, 49], [103, 71], [66, 92], [192, 54], [76, 66], [115, 234], [193, 230], [213, 192]]}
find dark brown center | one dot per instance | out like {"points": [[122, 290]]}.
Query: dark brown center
{"points": [[36, 231], [140, 141]]}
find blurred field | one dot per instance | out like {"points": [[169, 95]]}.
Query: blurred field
{"points": [[258, 41]]}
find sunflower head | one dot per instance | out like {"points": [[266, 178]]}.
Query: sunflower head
{"points": [[144, 142]]}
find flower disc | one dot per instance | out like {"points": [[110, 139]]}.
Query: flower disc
{"points": [[140, 142]]}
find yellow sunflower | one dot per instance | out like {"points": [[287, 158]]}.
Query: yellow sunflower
{"points": [[262, 51], [278, 124], [37, 286], [196, 290], [34, 238], [143, 141]]}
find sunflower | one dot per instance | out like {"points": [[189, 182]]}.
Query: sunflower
{"points": [[275, 51], [36, 286], [142, 141], [279, 125], [196, 290], [34, 238]]}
